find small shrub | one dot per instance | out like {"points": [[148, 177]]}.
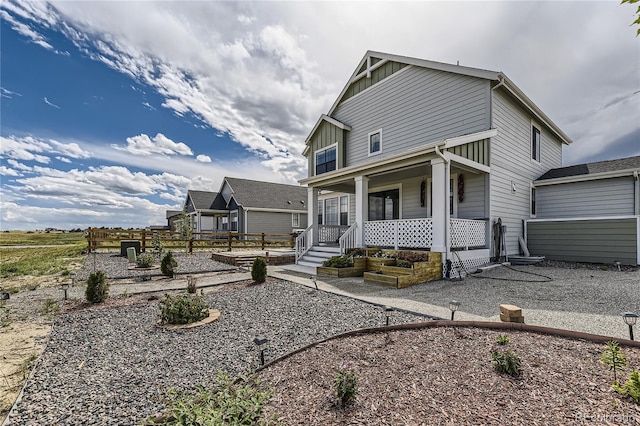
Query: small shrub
{"points": [[506, 361], [614, 359], [183, 309], [50, 307], [259, 270], [344, 261], [97, 287], [404, 264], [631, 387], [156, 243], [228, 402], [168, 265], [144, 261], [502, 340], [413, 257], [191, 284], [345, 385]]}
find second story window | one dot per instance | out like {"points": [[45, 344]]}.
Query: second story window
{"points": [[533, 201], [325, 160], [535, 143], [375, 142]]}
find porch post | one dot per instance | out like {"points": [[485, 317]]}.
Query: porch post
{"points": [[312, 213], [362, 207], [439, 205]]}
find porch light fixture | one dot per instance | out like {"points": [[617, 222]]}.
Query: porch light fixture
{"points": [[65, 287], [262, 343], [453, 307], [388, 311], [630, 319]]}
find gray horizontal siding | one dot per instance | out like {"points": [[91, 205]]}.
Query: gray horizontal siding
{"points": [[270, 222], [411, 208], [604, 197], [595, 241], [472, 206], [510, 155], [413, 107]]}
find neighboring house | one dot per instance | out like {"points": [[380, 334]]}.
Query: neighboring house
{"points": [[172, 217], [430, 155], [588, 213], [248, 206]]}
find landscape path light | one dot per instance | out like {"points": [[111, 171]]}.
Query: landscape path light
{"points": [[315, 280], [262, 343], [65, 287], [73, 279], [388, 311], [630, 319], [453, 307]]}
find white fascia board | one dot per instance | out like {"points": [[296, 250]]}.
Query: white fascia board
{"points": [[265, 209], [585, 178], [537, 112], [466, 162], [328, 119], [358, 169], [211, 211], [461, 140]]}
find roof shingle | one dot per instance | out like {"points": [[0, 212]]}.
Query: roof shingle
{"points": [[627, 163], [251, 193]]}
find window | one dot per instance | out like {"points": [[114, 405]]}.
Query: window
{"points": [[331, 211], [533, 201], [375, 142], [295, 220], [320, 211], [535, 143], [384, 205], [234, 221], [344, 210], [225, 223], [326, 160]]}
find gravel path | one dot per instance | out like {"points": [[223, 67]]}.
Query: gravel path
{"points": [[113, 365]]}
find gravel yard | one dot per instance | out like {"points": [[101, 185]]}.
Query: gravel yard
{"points": [[112, 365]]}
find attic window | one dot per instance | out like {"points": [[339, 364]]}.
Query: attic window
{"points": [[535, 143]]}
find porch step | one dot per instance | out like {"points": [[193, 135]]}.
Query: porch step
{"points": [[317, 255]]}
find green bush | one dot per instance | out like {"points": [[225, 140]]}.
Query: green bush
{"points": [[502, 340], [144, 261], [506, 361], [343, 261], [168, 265], [183, 309], [259, 270], [614, 359], [631, 387], [345, 385], [228, 402], [97, 287]]}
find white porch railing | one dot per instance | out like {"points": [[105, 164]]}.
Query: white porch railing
{"points": [[304, 241], [413, 233], [348, 239], [465, 233], [331, 233]]}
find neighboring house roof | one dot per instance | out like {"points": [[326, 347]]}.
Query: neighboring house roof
{"points": [[588, 171], [205, 200], [268, 195], [375, 59], [172, 213]]}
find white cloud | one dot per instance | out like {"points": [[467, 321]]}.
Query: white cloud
{"points": [[148, 106], [46, 101], [18, 165], [70, 149], [159, 144], [63, 159], [26, 148], [203, 158], [6, 93], [5, 171]]}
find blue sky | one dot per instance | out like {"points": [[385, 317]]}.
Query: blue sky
{"points": [[111, 111]]}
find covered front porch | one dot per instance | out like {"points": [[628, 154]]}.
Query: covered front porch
{"points": [[427, 200]]}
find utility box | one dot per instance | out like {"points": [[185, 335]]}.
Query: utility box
{"points": [[131, 254], [124, 245]]}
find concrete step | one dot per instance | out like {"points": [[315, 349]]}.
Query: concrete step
{"points": [[309, 264], [328, 249], [312, 258]]}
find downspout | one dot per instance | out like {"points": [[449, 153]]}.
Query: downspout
{"points": [[637, 191], [447, 178]]}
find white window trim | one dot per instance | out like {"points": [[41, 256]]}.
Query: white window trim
{"points": [[531, 151], [398, 186], [371, 154], [295, 220], [429, 196], [532, 191], [326, 148]]}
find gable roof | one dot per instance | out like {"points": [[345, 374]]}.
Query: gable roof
{"points": [[374, 59], [624, 166], [268, 195], [206, 200], [172, 213]]}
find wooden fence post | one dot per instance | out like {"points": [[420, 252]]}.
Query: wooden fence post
{"points": [[262, 243], [190, 245], [89, 233], [229, 240], [143, 249]]}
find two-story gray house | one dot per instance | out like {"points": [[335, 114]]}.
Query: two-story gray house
{"points": [[425, 155]]}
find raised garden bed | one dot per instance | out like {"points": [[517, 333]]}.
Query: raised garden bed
{"points": [[400, 277], [358, 268]]}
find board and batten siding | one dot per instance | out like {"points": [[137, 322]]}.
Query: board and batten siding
{"points": [[272, 222], [602, 197], [594, 241], [510, 156], [413, 107], [326, 135]]}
